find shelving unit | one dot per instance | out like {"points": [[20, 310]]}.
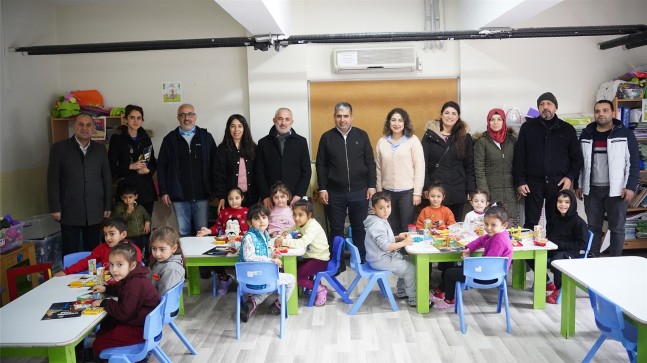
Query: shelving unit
{"points": [[631, 103]]}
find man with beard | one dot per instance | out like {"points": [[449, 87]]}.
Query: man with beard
{"points": [[547, 159], [609, 176]]}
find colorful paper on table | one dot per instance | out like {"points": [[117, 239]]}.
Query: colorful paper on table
{"points": [[62, 310]]}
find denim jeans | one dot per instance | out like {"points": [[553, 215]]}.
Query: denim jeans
{"points": [[401, 210], [195, 211], [595, 205]]}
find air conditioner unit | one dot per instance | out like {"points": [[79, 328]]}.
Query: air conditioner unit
{"points": [[363, 60]]}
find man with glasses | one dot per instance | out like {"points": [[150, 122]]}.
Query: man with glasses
{"points": [[183, 171]]}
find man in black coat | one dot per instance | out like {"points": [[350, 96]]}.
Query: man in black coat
{"points": [[282, 156], [547, 159], [79, 187], [346, 175]]}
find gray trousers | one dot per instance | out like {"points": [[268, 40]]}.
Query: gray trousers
{"points": [[403, 269], [596, 204]]}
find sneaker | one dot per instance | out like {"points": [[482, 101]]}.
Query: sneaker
{"points": [[552, 298], [246, 310], [551, 286], [401, 295], [438, 294], [275, 308], [223, 284], [445, 305], [413, 304], [322, 293]]}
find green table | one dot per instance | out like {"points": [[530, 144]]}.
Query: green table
{"points": [[194, 247], [423, 254]]}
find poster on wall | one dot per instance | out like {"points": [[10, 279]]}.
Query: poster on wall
{"points": [[99, 132], [171, 92]]}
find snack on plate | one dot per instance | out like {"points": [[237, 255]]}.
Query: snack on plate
{"points": [[281, 250], [220, 240], [541, 242], [516, 243]]}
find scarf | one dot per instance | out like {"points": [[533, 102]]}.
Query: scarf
{"points": [[186, 133], [498, 136], [281, 139]]}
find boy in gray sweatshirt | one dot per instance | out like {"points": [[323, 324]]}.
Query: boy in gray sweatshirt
{"points": [[382, 248]]}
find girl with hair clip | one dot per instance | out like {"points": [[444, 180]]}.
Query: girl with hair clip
{"points": [[495, 243], [168, 266], [308, 234]]}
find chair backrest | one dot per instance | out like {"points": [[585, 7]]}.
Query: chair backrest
{"points": [[608, 316], [72, 258], [337, 249], [257, 277], [355, 260], [13, 273], [153, 325], [172, 305], [588, 246], [484, 268]]}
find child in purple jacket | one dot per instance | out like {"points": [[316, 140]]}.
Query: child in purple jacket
{"points": [[496, 243]]}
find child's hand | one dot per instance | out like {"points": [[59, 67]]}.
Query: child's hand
{"points": [[99, 289], [204, 231], [466, 253], [278, 262], [147, 228], [97, 303], [278, 242], [407, 241], [59, 274]]}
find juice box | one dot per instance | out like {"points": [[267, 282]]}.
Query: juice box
{"points": [[92, 266]]}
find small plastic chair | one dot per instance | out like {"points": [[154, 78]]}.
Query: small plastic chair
{"points": [[612, 325], [152, 337], [585, 255], [363, 270], [13, 273], [72, 258], [483, 269], [259, 278], [329, 274], [171, 311]]}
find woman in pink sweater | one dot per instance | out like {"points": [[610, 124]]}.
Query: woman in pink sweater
{"points": [[400, 164]]}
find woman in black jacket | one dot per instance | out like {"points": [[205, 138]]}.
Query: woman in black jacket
{"points": [[132, 159], [449, 157], [234, 162]]}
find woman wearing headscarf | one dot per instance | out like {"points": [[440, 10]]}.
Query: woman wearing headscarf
{"points": [[493, 154]]}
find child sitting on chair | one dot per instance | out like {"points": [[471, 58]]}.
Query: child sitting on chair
{"points": [[569, 232], [382, 248], [256, 246], [114, 233], [479, 201], [495, 243], [280, 216], [167, 261], [313, 239], [136, 298]]}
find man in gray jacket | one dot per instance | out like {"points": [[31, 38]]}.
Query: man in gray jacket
{"points": [[79, 187]]}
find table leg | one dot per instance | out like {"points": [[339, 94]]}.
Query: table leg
{"points": [[61, 354], [193, 274], [422, 282], [519, 274], [568, 307], [290, 267], [539, 293], [642, 342]]}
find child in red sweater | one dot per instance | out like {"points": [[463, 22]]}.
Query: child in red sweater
{"points": [[114, 233], [136, 298], [235, 211]]}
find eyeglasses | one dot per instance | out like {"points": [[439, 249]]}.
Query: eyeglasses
{"points": [[189, 115]]}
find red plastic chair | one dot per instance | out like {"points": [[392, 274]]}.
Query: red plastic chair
{"points": [[13, 273]]}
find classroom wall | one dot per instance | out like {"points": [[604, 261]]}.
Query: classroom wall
{"points": [[241, 80]]}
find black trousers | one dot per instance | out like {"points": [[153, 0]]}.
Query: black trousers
{"points": [[80, 238], [540, 190]]}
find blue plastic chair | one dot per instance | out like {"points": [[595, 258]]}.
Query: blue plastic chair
{"points": [[329, 274], [585, 255], [484, 269], [612, 325], [259, 278], [72, 258], [152, 335], [171, 311], [363, 270]]}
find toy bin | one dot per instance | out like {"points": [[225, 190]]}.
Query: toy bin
{"points": [[11, 238], [40, 226], [49, 249]]}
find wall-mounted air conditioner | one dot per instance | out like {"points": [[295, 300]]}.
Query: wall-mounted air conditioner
{"points": [[365, 60]]}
